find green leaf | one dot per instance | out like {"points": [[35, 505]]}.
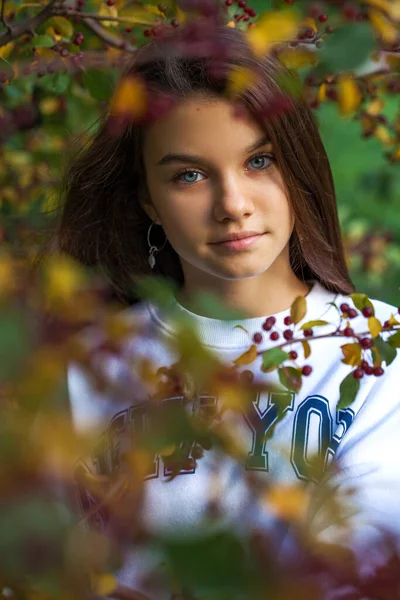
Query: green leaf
{"points": [[99, 84], [15, 345], [290, 378], [348, 391], [348, 47], [361, 301], [388, 352], [394, 340], [273, 358], [60, 82], [208, 562], [42, 41]]}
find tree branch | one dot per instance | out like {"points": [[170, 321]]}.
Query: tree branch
{"points": [[30, 24]]}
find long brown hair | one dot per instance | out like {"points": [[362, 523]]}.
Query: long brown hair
{"points": [[102, 220]]}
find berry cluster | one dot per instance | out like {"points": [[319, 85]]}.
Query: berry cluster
{"points": [[247, 11]]}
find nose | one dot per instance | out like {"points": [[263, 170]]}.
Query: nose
{"points": [[232, 198]]}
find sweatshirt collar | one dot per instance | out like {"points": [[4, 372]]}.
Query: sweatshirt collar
{"points": [[222, 334]]}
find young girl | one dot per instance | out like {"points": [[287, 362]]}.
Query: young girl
{"points": [[240, 203]]}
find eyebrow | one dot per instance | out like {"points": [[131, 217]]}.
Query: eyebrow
{"points": [[185, 158]]}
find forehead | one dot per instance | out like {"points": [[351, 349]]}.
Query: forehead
{"points": [[201, 126]]}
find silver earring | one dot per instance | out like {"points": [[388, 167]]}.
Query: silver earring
{"points": [[153, 249]]}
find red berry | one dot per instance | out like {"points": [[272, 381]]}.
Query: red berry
{"points": [[358, 374], [293, 354], [147, 32], [289, 1], [308, 333], [378, 371], [344, 308], [364, 364], [288, 334], [251, 12], [64, 52], [329, 29], [367, 312], [110, 2], [366, 343], [247, 376], [350, 11], [309, 33], [241, 3], [352, 313], [128, 29], [306, 370], [257, 338], [323, 18], [398, 310], [228, 2], [386, 324], [175, 23], [287, 320], [348, 332], [274, 336], [369, 370]]}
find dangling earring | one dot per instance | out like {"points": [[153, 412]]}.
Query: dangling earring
{"points": [[153, 249]]}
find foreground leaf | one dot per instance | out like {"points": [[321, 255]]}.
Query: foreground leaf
{"points": [[348, 391]]}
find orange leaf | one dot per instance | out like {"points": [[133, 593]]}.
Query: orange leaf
{"points": [[247, 357], [352, 354]]}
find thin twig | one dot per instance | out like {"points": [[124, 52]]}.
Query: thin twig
{"points": [[30, 24]]}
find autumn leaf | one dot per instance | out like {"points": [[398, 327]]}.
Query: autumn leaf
{"points": [[383, 26], [375, 107], [352, 354], [108, 11], [63, 25], [104, 585], [6, 50], [130, 98], [247, 357], [296, 58], [298, 309], [316, 323], [321, 96], [349, 95], [375, 326], [239, 79], [306, 348], [287, 501], [272, 27], [392, 320]]}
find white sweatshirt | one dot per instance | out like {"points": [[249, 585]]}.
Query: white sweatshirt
{"points": [[364, 438]]}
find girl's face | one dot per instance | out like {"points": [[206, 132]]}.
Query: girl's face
{"points": [[210, 174]]}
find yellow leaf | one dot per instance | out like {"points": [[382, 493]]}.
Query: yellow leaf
{"points": [[272, 27], [321, 97], [63, 25], [383, 135], [378, 359], [383, 26], [130, 98], [239, 79], [231, 24], [63, 277], [367, 123], [295, 58], [139, 14], [247, 357], [352, 354], [375, 107], [241, 327], [298, 309], [391, 7], [6, 50], [168, 450], [180, 15], [309, 22], [108, 11], [375, 326], [7, 276], [104, 585], [393, 320], [316, 323], [349, 95], [49, 106], [306, 348], [288, 501]]}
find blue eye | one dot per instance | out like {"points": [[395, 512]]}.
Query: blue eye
{"points": [[188, 174], [260, 157]]}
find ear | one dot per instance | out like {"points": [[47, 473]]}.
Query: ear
{"points": [[147, 205]]}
